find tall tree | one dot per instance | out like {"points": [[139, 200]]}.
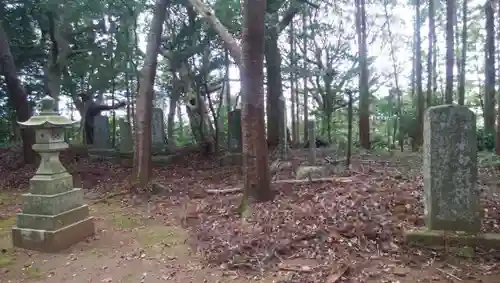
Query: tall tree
{"points": [[418, 75], [450, 51], [305, 75], [430, 53], [142, 157], [489, 69], [17, 95], [397, 91], [255, 166], [273, 63], [463, 58], [293, 92], [364, 92]]}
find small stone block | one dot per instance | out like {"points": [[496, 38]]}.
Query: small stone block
{"points": [[313, 172], [53, 241], [52, 204], [103, 152], [126, 154], [52, 222], [434, 238], [51, 184], [162, 160]]}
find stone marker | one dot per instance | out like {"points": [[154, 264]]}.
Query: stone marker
{"points": [[102, 140], [283, 151], [451, 196], [126, 139], [234, 156], [158, 130], [101, 133], [54, 216], [312, 142]]}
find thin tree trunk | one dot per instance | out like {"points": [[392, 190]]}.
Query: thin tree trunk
{"points": [[143, 146], [430, 54], [255, 165], [305, 77], [274, 86], [418, 75], [293, 92], [172, 105], [450, 19], [489, 69], [17, 95], [364, 99], [463, 60], [227, 96], [396, 77]]}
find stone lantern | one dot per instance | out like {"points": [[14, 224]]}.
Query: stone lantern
{"points": [[54, 216]]}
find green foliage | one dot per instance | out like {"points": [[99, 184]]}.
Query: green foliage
{"points": [[485, 141]]}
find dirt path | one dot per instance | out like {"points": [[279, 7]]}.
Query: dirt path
{"points": [[128, 247]]}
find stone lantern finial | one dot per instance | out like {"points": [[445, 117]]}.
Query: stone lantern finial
{"points": [[47, 105]]}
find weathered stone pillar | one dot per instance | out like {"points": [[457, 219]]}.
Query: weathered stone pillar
{"points": [[54, 216], [158, 131], [101, 133], [451, 197], [126, 138]]}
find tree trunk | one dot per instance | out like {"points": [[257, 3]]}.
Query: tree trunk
{"points": [[227, 96], [463, 59], [418, 75], [17, 95], [364, 99], [450, 50], [349, 131], [430, 51], [229, 42], [172, 105], [293, 93], [274, 86], [255, 165], [305, 77], [489, 69], [181, 121], [143, 146], [397, 90]]}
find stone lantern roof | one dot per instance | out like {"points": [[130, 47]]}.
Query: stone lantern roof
{"points": [[48, 118]]}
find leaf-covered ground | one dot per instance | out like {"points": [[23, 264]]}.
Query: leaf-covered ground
{"points": [[348, 230]]}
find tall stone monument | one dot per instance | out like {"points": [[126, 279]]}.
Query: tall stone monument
{"points": [[101, 133], [451, 197], [126, 138], [235, 139], [158, 130], [54, 216]]}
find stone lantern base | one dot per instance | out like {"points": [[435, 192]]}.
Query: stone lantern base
{"points": [[51, 223]]}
